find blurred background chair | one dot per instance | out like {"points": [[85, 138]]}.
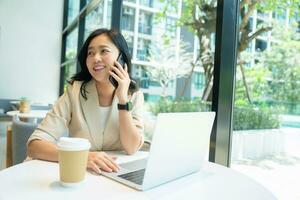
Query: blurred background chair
{"points": [[36, 106], [5, 105], [20, 132]]}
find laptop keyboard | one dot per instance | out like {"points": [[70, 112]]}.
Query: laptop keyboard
{"points": [[136, 176]]}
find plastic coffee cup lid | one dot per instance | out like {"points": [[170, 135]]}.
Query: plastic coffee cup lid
{"points": [[73, 144]]}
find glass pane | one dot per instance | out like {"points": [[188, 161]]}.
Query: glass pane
{"points": [[266, 115], [145, 22], [132, 1], [143, 49], [128, 18], [167, 63], [73, 10], [70, 70], [148, 3], [279, 16], [71, 44], [94, 19], [129, 39], [109, 8]]}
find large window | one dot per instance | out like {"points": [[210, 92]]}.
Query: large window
{"points": [[71, 45], [132, 1], [73, 10], [81, 21], [95, 19], [171, 27], [179, 69], [143, 49], [70, 70], [168, 60], [148, 3], [198, 80], [260, 45], [145, 22], [128, 16], [129, 37], [266, 114]]}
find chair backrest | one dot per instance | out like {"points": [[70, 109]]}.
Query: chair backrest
{"points": [[21, 131], [40, 107], [5, 105]]}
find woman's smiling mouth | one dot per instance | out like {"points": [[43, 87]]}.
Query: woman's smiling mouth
{"points": [[98, 68]]}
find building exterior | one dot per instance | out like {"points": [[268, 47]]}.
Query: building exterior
{"points": [[140, 26], [264, 41]]}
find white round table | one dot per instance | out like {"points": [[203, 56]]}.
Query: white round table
{"points": [[37, 180], [37, 114]]}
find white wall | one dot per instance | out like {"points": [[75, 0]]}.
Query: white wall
{"points": [[30, 46]]}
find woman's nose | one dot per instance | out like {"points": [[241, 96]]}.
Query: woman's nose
{"points": [[97, 57]]}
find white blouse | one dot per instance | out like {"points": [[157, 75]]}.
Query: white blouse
{"points": [[103, 112]]}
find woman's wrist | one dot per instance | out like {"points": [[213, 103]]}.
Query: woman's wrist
{"points": [[123, 100]]}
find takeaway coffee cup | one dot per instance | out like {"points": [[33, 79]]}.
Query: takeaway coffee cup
{"points": [[72, 158]]}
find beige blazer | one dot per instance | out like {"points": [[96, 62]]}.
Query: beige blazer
{"points": [[74, 116]]}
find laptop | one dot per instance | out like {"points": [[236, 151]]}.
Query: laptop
{"points": [[179, 147]]}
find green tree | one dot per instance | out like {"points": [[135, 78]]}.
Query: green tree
{"points": [[284, 65], [164, 65], [257, 82], [199, 16]]}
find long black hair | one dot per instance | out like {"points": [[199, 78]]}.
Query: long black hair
{"points": [[84, 75]]}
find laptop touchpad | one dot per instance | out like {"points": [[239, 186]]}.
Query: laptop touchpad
{"points": [[134, 165]]}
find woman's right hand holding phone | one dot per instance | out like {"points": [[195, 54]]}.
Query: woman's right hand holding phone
{"points": [[121, 75]]}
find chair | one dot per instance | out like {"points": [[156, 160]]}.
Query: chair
{"points": [[40, 107], [21, 131], [5, 105]]}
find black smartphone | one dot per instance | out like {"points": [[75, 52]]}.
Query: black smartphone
{"points": [[122, 62]]}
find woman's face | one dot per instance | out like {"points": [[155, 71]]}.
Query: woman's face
{"points": [[101, 55]]}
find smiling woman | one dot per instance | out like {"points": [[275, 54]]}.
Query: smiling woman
{"points": [[93, 108], [101, 56]]}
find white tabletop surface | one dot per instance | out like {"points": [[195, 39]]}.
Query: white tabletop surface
{"points": [[32, 114], [39, 180]]}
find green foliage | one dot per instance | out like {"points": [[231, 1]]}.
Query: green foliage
{"points": [[70, 54], [279, 6], [274, 79], [258, 83], [166, 105], [245, 116], [283, 63], [255, 117]]}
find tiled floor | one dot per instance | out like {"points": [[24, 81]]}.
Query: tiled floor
{"points": [[278, 173], [282, 179]]}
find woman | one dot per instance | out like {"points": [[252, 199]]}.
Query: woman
{"points": [[93, 108]]}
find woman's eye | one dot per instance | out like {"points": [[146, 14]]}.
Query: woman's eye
{"points": [[90, 53], [104, 51]]}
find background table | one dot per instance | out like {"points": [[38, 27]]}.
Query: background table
{"points": [[39, 180], [36, 114]]}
